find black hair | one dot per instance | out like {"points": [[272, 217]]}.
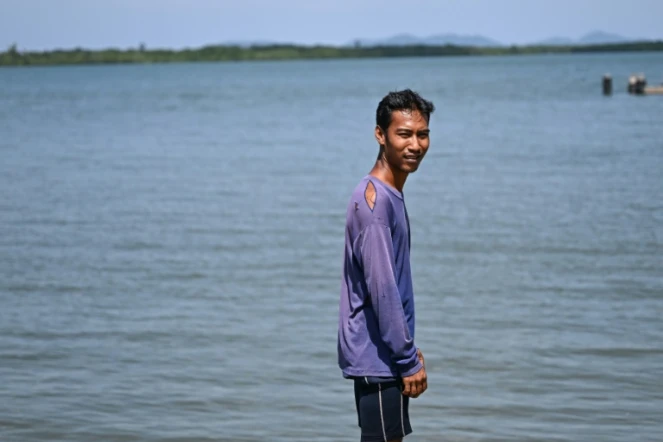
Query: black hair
{"points": [[407, 100]]}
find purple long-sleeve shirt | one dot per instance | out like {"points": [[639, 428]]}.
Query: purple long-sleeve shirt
{"points": [[376, 312]]}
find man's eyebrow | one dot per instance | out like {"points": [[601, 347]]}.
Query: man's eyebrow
{"points": [[408, 130]]}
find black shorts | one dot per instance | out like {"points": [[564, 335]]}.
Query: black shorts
{"points": [[382, 410]]}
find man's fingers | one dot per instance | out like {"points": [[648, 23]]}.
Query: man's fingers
{"points": [[415, 391], [406, 388], [415, 385]]}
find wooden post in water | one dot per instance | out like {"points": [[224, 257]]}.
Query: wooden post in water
{"points": [[632, 80], [637, 84], [607, 84]]}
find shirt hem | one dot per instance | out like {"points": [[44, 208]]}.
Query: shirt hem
{"points": [[363, 373]]}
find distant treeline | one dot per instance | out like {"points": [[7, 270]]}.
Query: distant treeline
{"points": [[13, 57]]}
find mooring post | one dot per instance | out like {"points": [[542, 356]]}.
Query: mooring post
{"points": [[607, 84], [632, 81]]}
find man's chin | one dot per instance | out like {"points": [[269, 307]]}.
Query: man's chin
{"points": [[410, 168]]}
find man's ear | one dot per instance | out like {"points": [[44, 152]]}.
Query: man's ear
{"points": [[380, 136]]}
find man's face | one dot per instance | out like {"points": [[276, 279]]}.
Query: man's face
{"points": [[406, 140]]}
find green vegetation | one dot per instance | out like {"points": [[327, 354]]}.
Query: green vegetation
{"points": [[13, 57]]}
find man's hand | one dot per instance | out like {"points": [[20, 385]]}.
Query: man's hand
{"points": [[416, 384]]}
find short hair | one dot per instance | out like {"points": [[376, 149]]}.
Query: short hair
{"points": [[402, 100]]}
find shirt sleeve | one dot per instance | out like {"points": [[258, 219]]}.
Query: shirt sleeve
{"points": [[378, 262]]}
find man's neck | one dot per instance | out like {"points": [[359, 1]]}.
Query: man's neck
{"points": [[384, 172]]}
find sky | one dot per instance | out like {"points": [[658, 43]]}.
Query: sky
{"points": [[95, 24]]}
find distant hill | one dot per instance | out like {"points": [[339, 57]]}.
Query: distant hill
{"points": [[556, 41], [248, 44], [600, 37], [592, 38], [432, 40]]}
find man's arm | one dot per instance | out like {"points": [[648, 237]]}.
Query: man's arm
{"points": [[377, 256]]}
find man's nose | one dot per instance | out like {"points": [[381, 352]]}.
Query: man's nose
{"points": [[415, 145]]}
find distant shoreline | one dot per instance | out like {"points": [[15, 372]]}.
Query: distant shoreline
{"points": [[141, 55]]}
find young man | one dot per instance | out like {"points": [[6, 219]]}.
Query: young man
{"points": [[376, 316]]}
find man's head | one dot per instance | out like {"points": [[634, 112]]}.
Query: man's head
{"points": [[402, 129]]}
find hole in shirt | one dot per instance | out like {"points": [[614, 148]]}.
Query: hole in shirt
{"points": [[370, 195]]}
